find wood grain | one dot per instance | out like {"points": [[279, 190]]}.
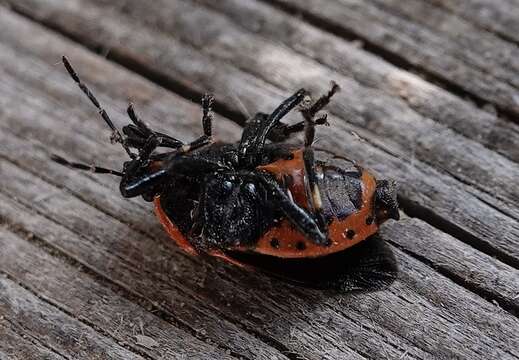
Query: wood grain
{"points": [[64, 334], [500, 17], [67, 287], [201, 321], [19, 346], [351, 60], [409, 43], [100, 265], [257, 301], [470, 188]]}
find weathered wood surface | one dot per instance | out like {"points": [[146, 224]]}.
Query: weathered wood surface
{"points": [[73, 250], [499, 17], [420, 35], [222, 47]]}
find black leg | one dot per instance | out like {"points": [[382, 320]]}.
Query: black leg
{"points": [[145, 183], [311, 111], [315, 194], [135, 184], [207, 116], [295, 214], [139, 133], [286, 106], [140, 136], [309, 133], [258, 128], [282, 131], [141, 125], [116, 135], [207, 120]]}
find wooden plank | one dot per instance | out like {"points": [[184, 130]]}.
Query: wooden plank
{"points": [[421, 241], [381, 114], [192, 310], [457, 38], [133, 277], [64, 135], [202, 320], [63, 333], [37, 158], [351, 60], [409, 43], [20, 347], [333, 318], [469, 213], [66, 287], [127, 257], [285, 311], [499, 17], [477, 271]]}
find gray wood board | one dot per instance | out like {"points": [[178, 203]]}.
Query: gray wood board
{"points": [[51, 130], [75, 214], [500, 17], [351, 60], [65, 285], [466, 59], [72, 231], [61, 332], [469, 189], [20, 346]]}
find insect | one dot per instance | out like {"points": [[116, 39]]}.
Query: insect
{"points": [[296, 212]]}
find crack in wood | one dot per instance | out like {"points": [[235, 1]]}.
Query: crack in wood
{"points": [[288, 351], [508, 305], [427, 215], [82, 320], [390, 56], [150, 305], [476, 16], [447, 229], [147, 235], [27, 336]]}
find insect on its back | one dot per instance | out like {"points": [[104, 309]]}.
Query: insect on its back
{"points": [[298, 213]]}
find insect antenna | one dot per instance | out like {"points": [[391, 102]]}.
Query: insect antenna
{"points": [[116, 135], [81, 166]]}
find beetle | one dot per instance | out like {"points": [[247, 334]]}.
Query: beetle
{"points": [[299, 213]]}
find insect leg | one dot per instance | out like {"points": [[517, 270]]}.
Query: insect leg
{"points": [[258, 128], [147, 181], [313, 189], [139, 133], [140, 136], [294, 213], [207, 119], [310, 112], [319, 104], [282, 131], [207, 115]]}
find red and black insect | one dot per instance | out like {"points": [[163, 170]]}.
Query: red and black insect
{"points": [[299, 213]]}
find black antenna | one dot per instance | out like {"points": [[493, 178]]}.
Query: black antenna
{"points": [[80, 166], [116, 135]]}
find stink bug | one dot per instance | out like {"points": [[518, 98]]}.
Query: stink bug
{"points": [[296, 212]]}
